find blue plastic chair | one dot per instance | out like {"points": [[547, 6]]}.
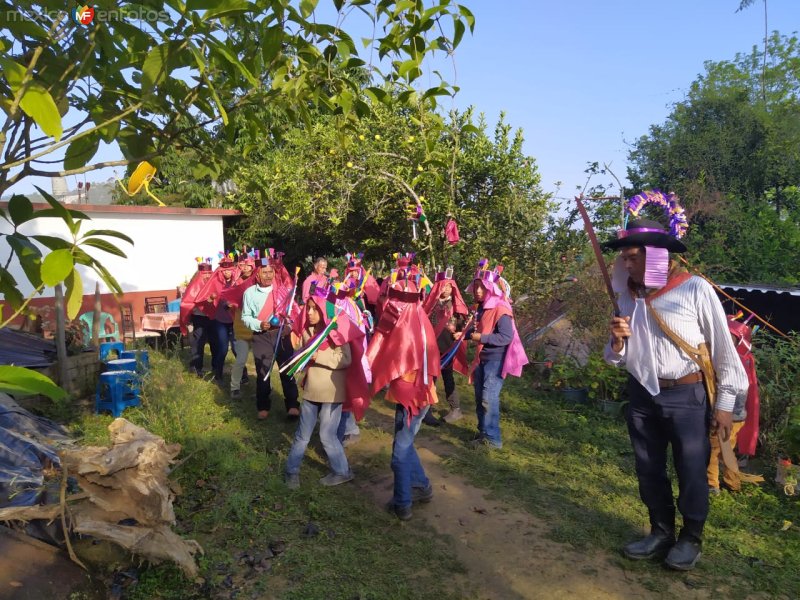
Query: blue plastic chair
{"points": [[106, 348], [87, 320], [121, 364], [116, 391], [141, 357]]}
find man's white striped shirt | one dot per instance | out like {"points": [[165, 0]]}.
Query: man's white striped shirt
{"points": [[693, 311]]}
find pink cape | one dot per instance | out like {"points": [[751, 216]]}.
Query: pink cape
{"points": [[402, 352], [189, 302], [747, 439], [312, 278], [516, 358], [459, 362], [451, 232]]}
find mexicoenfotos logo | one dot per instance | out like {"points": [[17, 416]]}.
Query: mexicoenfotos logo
{"points": [[82, 15]]}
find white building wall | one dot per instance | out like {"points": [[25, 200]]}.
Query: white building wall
{"points": [[162, 257]]}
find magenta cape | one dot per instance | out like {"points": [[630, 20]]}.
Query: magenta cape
{"points": [[189, 302], [459, 307], [403, 353], [495, 307], [748, 435]]}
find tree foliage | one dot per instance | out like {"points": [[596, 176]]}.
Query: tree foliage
{"points": [[733, 154], [325, 190], [148, 75]]}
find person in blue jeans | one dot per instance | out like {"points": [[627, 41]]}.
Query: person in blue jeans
{"points": [[410, 482], [404, 356], [324, 392], [499, 351]]}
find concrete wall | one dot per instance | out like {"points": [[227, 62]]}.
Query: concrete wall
{"points": [[163, 255]]}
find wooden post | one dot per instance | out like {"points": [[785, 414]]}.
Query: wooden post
{"points": [[61, 338], [98, 310]]}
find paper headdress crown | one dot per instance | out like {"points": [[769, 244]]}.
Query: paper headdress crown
{"points": [[404, 260], [443, 275]]}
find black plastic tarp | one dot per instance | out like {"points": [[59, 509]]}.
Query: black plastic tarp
{"points": [[29, 445]]}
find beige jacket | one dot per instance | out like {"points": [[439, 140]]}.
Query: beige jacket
{"points": [[326, 377]]}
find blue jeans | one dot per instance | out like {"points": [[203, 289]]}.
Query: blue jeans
{"points": [[329, 416], [488, 383], [221, 338], [347, 426], [408, 471]]}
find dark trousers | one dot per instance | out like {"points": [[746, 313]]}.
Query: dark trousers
{"points": [[197, 342], [448, 380], [220, 338], [679, 416], [263, 349]]}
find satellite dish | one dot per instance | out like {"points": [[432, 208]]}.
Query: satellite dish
{"points": [[141, 178]]}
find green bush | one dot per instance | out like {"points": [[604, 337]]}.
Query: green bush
{"points": [[568, 373], [778, 369], [605, 381]]}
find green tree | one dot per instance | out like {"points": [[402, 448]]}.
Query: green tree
{"points": [[733, 156], [318, 191], [53, 267], [159, 73]]}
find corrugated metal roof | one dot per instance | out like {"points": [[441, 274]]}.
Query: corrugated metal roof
{"points": [[793, 291], [25, 349]]}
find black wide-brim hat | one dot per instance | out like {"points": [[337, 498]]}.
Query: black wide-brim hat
{"points": [[643, 232]]}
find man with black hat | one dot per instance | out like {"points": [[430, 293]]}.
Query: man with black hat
{"points": [[670, 331]]}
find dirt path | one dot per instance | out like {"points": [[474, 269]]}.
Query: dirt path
{"points": [[506, 550]]}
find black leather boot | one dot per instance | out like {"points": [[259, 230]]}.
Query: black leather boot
{"points": [[655, 545], [660, 540], [683, 556]]}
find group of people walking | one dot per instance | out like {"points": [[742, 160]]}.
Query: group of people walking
{"points": [[349, 336]]}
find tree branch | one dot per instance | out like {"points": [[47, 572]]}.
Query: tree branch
{"points": [[62, 143]]}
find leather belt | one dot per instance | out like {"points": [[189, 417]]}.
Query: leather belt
{"points": [[695, 377]]}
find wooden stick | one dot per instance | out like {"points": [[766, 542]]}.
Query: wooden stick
{"points": [[72, 554]]}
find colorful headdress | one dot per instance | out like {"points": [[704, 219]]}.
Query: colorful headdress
{"points": [[247, 257], [651, 234], [404, 260], [226, 260], [491, 280], [267, 258], [742, 332], [203, 264], [657, 241], [446, 275], [353, 261]]}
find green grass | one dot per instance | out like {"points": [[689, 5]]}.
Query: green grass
{"points": [[569, 465], [234, 502], [574, 466]]}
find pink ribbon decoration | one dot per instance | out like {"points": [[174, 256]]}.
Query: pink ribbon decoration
{"points": [[656, 267], [451, 232]]}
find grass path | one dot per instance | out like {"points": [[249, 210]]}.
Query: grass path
{"points": [[541, 518]]}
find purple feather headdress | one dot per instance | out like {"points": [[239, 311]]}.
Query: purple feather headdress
{"points": [[670, 203]]}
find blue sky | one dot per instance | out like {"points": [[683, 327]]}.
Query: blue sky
{"points": [[583, 78]]}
